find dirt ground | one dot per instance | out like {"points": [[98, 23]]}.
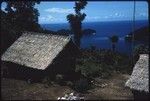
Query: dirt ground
{"points": [[20, 90], [114, 89]]}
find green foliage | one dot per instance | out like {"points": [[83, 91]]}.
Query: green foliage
{"points": [[19, 16], [80, 5], [102, 63], [140, 49], [23, 15], [89, 69], [114, 39], [82, 85], [46, 80], [93, 47], [59, 79], [69, 83], [75, 20]]}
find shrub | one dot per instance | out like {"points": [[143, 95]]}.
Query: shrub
{"points": [[82, 85], [47, 81], [69, 83], [59, 79], [93, 48], [89, 69], [102, 62], [140, 49]]}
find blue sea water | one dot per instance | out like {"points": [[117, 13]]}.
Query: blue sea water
{"points": [[103, 31]]}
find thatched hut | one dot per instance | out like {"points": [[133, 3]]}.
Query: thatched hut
{"points": [[139, 80], [34, 55]]}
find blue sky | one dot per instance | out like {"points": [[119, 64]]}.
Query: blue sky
{"points": [[56, 12]]}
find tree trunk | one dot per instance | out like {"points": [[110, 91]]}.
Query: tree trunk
{"points": [[113, 47]]}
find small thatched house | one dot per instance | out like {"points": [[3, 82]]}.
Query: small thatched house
{"points": [[37, 54], [139, 80]]}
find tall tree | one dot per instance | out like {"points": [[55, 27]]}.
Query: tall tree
{"points": [[17, 17], [25, 16], [76, 19], [114, 39]]}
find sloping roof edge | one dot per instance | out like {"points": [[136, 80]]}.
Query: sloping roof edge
{"points": [[60, 48], [139, 79]]}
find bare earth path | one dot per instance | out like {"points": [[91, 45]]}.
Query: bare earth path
{"points": [[114, 89], [16, 89]]}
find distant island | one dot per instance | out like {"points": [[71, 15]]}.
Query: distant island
{"points": [[89, 32], [64, 32], [141, 34], [69, 32]]}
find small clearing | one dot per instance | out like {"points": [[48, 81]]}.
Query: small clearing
{"points": [[20, 90]]}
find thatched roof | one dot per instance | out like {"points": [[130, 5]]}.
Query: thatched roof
{"points": [[35, 50], [139, 79]]}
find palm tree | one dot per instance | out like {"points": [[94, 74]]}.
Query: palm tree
{"points": [[114, 39], [76, 19]]}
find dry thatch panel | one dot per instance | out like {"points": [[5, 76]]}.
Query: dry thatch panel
{"points": [[139, 79], [35, 50]]}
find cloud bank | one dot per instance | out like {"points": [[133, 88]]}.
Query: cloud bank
{"points": [[59, 10]]}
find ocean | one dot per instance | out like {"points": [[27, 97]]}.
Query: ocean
{"points": [[103, 31]]}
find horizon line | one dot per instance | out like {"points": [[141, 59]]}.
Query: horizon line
{"points": [[94, 21]]}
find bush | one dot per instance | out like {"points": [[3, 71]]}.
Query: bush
{"points": [[140, 49], [69, 83], [82, 85], [89, 69], [47, 81], [59, 79], [102, 62], [93, 48]]}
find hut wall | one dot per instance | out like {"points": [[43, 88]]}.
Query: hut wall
{"points": [[64, 63], [140, 95], [22, 72]]}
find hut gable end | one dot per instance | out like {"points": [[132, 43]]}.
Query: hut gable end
{"points": [[35, 50]]}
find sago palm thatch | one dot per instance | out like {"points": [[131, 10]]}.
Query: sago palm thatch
{"points": [[35, 50], [139, 79]]}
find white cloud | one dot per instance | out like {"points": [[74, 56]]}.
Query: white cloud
{"points": [[92, 17], [112, 16], [116, 14], [142, 14], [46, 18], [59, 10], [106, 17], [49, 18]]}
